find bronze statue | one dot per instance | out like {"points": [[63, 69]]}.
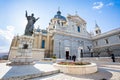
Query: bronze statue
{"points": [[30, 25]]}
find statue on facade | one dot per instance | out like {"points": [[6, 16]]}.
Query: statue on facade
{"points": [[30, 25]]}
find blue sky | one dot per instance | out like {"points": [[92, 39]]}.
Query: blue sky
{"points": [[13, 20]]}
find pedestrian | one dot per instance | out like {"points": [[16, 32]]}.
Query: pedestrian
{"points": [[113, 57], [70, 57], [74, 58]]}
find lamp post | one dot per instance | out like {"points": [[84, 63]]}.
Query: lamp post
{"points": [[82, 42], [90, 50], [59, 49]]}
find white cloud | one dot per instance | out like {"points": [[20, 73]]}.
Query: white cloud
{"points": [[3, 49], [6, 36], [97, 5], [110, 4], [8, 33], [10, 28]]}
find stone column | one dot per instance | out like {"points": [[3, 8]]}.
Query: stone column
{"points": [[35, 41], [15, 41], [12, 43], [47, 47], [51, 46], [39, 41]]}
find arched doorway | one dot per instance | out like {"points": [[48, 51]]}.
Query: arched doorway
{"points": [[67, 52], [80, 52]]}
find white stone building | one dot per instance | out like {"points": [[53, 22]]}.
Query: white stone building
{"points": [[67, 36]]}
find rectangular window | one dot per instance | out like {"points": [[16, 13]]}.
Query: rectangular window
{"points": [[106, 40], [43, 43], [78, 29]]}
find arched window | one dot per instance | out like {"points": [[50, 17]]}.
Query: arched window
{"points": [[78, 29], [43, 43]]}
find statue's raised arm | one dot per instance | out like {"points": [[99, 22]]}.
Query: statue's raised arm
{"points": [[26, 13], [37, 19]]}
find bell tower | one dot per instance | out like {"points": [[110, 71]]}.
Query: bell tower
{"points": [[97, 29]]}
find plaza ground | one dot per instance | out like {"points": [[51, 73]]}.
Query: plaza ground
{"points": [[46, 71]]}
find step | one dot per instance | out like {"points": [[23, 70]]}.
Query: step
{"points": [[30, 76]]}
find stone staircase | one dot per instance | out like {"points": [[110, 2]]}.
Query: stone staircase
{"points": [[31, 76]]}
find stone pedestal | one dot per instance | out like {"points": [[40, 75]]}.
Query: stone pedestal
{"points": [[24, 53]]}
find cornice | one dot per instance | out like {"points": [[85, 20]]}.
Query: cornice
{"points": [[72, 34]]}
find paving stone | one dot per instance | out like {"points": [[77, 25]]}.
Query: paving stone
{"points": [[109, 71], [21, 70], [104, 72]]}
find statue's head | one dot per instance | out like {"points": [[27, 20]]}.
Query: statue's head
{"points": [[32, 14]]}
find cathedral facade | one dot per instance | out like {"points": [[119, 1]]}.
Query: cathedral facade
{"points": [[67, 36]]}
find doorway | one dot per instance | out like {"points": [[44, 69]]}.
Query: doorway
{"points": [[81, 53], [67, 54]]}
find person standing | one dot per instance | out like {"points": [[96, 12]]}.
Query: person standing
{"points": [[113, 57], [74, 58]]}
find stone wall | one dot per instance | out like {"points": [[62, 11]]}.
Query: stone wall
{"points": [[61, 42], [37, 54]]}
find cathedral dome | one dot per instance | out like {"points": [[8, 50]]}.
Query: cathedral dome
{"points": [[59, 16]]}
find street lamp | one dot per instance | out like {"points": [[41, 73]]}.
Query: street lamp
{"points": [[82, 42], [59, 49], [90, 50]]}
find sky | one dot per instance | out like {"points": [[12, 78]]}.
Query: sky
{"points": [[106, 13]]}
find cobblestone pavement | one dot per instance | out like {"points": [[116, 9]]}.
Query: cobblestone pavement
{"points": [[108, 72], [115, 72]]}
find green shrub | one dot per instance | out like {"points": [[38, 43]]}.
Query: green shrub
{"points": [[74, 63], [54, 57]]}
